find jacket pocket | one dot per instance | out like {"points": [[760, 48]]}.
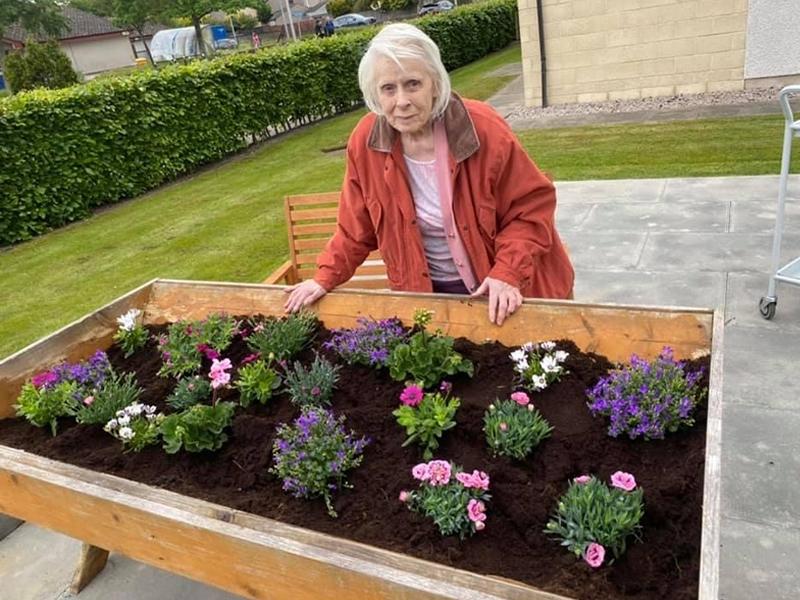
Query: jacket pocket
{"points": [[487, 220]]}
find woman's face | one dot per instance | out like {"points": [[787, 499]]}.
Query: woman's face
{"points": [[406, 94]]}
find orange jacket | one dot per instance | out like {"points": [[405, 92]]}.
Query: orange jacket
{"points": [[503, 206]]}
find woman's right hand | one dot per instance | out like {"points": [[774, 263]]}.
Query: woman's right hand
{"points": [[303, 294]]}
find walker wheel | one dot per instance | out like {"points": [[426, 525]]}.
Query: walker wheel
{"points": [[766, 307]]}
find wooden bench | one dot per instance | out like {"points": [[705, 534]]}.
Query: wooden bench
{"points": [[310, 223]]}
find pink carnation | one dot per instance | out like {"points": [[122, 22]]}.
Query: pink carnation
{"points": [[404, 496], [439, 472], [480, 525], [476, 479], [475, 511], [503, 426], [43, 379], [520, 398], [421, 472], [623, 481], [89, 400], [582, 479], [594, 555], [219, 372], [411, 396]]}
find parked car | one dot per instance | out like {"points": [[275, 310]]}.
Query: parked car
{"points": [[431, 8], [352, 20]]}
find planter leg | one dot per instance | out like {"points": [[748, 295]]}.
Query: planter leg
{"points": [[93, 559], [7, 525]]}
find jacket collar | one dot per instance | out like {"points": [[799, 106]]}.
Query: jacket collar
{"points": [[462, 138]]}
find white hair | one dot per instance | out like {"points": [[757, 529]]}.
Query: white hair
{"points": [[398, 42]]}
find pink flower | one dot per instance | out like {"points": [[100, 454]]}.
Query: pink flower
{"points": [[594, 555], [479, 525], [439, 471], [411, 396], [219, 372], [476, 479], [251, 358], [520, 398], [89, 400], [475, 511], [404, 496], [421, 472], [315, 391], [582, 479], [503, 426], [43, 379], [445, 387], [623, 481]]}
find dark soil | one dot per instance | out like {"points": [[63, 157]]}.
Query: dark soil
{"points": [[664, 565]]}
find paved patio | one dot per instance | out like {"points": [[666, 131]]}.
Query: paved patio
{"points": [[681, 242]]}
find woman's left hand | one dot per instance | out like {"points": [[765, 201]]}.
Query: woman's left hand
{"points": [[504, 298]]}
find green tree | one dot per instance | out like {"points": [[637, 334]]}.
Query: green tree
{"points": [[264, 11], [36, 16], [195, 10], [40, 65]]}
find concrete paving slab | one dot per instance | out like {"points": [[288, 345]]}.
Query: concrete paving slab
{"points": [[761, 368], [36, 564], [758, 188], [606, 251], [744, 292], [760, 462], [761, 561], [698, 289], [571, 215], [698, 216], [759, 216], [711, 251], [146, 583], [634, 190]]}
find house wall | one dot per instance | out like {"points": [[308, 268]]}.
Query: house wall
{"points": [[600, 50], [773, 42], [94, 55]]}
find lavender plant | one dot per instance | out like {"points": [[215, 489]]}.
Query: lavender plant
{"points": [[514, 427], [312, 455], [113, 394], [426, 417], [648, 399], [591, 518], [313, 386], [454, 499], [136, 426], [283, 338], [370, 343], [539, 365], [426, 358]]}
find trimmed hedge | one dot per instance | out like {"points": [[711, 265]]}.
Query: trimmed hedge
{"points": [[66, 152]]}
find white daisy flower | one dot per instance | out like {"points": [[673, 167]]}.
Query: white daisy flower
{"points": [[124, 421], [126, 433], [550, 364], [112, 424], [561, 356], [128, 320], [547, 346], [519, 355]]}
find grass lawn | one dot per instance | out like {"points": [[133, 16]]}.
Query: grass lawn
{"points": [[227, 223]]}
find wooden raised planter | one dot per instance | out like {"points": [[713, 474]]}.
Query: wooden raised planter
{"points": [[258, 557]]}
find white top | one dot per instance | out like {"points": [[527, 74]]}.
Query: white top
{"points": [[428, 206]]}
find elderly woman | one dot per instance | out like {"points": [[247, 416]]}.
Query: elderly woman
{"points": [[441, 186]]}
